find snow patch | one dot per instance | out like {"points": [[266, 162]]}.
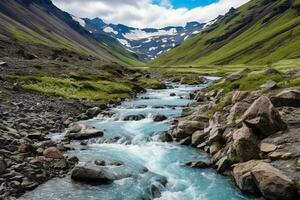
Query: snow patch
{"points": [[79, 20], [153, 48], [110, 30], [138, 34], [124, 42]]}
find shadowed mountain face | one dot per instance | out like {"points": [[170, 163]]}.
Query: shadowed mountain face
{"points": [[148, 43], [259, 32], [39, 22]]}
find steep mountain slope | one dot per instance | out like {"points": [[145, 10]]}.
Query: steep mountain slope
{"points": [[39, 22], [259, 32], [148, 43]]}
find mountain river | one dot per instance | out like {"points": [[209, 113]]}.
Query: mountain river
{"points": [[139, 149]]}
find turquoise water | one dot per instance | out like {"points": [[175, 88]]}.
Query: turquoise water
{"points": [[146, 160]]}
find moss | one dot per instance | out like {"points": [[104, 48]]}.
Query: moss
{"points": [[73, 89], [151, 83], [250, 82]]}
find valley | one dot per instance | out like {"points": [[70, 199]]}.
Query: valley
{"points": [[95, 110]]}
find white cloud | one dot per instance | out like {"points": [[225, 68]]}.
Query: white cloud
{"points": [[143, 13]]}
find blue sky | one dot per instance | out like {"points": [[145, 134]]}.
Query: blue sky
{"points": [[149, 13], [190, 4]]}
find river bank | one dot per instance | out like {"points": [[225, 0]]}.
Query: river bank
{"points": [[26, 121], [252, 137], [134, 158]]}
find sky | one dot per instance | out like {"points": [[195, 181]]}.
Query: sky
{"points": [[149, 13]]}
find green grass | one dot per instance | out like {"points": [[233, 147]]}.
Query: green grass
{"points": [[150, 83], [250, 82], [111, 53], [74, 89], [257, 43], [85, 87]]}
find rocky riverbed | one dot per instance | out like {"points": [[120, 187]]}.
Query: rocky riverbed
{"points": [[27, 155], [253, 138]]}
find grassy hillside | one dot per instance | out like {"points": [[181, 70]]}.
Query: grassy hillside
{"points": [[259, 32], [39, 22], [45, 51]]}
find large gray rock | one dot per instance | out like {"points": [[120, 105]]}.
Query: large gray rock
{"points": [[198, 137], [263, 118], [93, 112], [186, 128], [243, 177], [237, 111], [245, 144], [159, 118], [53, 153], [223, 164], [273, 184], [288, 97], [97, 174], [269, 85], [134, 117], [93, 174], [83, 132]]}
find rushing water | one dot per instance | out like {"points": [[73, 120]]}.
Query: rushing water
{"points": [[138, 148]]}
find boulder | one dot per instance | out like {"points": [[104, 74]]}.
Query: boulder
{"points": [[254, 175], [223, 164], [95, 174], [53, 153], [288, 97], [234, 76], [267, 147], [92, 174], [198, 164], [216, 135], [159, 118], [198, 137], [26, 148], [83, 132], [271, 70], [237, 111], [93, 112], [280, 155], [37, 135], [186, 128], [165, 137], [263, 118], [134, 117], [239, 96], [243, 177], [172, 95], [200, 96], [272, 183], [214, 148], [269, 85], [245, 144]]}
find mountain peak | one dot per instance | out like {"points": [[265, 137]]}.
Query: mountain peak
{"points": [[148, 42]]}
